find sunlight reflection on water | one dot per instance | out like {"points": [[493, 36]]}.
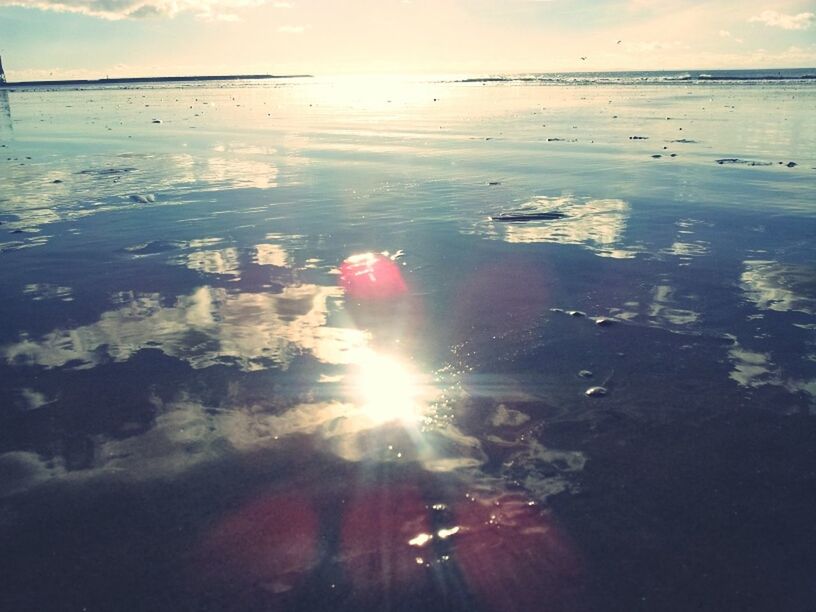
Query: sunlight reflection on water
{"points": [[393, 427]]}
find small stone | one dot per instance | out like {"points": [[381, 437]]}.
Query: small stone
{"points": [[657, 155], [596, 392], [791, 164], [156, 121], [56, 181]]}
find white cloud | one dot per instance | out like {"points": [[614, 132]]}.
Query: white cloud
{"points": [[648, 46], [291, 29], [727, 34], [136, 9], [228, 17], [802, 21]]}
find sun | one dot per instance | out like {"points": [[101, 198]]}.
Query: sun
{"points": [[387, 389]]}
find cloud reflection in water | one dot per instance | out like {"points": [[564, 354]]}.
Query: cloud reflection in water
{"points": [[210, 326], [597, 225], [224, 262], [384, 410], [772, 285], [85, 186], [271, 255]]}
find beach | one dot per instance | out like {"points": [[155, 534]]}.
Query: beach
{"points": [[379, 343]]}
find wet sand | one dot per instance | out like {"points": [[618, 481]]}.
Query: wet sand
{"points": [[212, 398]]}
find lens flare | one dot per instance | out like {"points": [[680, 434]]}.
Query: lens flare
{"points": [[371, 276], [389, 390]]}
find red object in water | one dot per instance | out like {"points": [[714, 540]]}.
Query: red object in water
{"points": [[512, 556], [371, 276]]}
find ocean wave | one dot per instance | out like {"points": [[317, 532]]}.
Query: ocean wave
{"points": [[623, 78]]}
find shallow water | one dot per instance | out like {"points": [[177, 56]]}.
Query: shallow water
{"points": [[203, 407]]}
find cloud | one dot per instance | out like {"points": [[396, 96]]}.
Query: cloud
{"points": [[220, 10], [648, 46], [291, 29], [802, 21], [727, 34]]}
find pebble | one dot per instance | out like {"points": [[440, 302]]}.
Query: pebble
{"points": [[528, 216], [156, 121], [747, 162], [596, 392]]}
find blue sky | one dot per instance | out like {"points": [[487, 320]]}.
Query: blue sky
{"points": [[93, 38]]}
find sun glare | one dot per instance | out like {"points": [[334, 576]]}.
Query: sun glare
{"points": [[389, 390], [372, 92]]}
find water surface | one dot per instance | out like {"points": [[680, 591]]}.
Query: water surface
{"points": [[207, 405]]}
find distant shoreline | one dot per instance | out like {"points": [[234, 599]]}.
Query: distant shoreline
{"points": [[165, 79]]}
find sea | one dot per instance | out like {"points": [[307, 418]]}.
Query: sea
{"points": [[484, 342]]}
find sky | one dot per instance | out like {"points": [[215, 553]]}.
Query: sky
{"points": [[50, 39]]}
